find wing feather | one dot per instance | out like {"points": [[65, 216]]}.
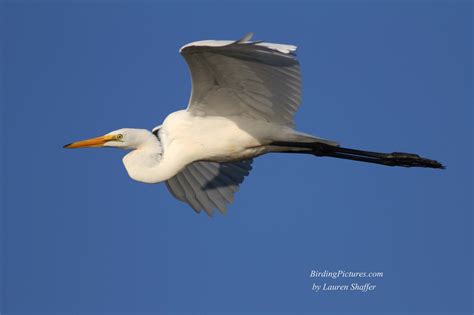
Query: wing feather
{"points": [[258, 80], [209, 185], [213, 195], [190, 195]]}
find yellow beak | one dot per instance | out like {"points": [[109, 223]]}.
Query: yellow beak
{"points": [[91, 143]]}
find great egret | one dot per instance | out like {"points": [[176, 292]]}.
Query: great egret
{"points": [[244, 96]]}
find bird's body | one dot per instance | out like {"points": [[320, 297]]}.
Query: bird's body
{"points": [[212, 138], [184, 138], [242, 104]]}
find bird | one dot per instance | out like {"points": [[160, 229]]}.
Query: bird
{"points": [[243, 100]]}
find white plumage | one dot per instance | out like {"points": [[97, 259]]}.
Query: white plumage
{"points": [[256, 80], [244, 96]]}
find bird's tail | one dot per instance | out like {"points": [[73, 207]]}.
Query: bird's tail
{"points": [[323, 148]]}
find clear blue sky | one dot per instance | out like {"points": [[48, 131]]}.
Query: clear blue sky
{"points": [[79, 236]]}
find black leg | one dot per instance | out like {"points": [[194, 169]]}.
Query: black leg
{"points": [[389, 159]]}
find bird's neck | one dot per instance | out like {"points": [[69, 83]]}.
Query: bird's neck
{"points": [[147, 164]]}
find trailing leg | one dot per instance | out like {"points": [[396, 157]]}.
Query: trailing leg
{"points": [[389, 159]]}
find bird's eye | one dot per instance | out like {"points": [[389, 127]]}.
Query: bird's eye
{"points": [[119, 136]]}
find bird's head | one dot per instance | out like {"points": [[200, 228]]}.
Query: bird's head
{"points": [[125, 138]]}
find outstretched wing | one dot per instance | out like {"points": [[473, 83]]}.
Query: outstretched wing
{"points": [[209, 185], [249, 78]]}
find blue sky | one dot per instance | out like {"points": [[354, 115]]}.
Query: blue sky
{"points": [[79, 236]]}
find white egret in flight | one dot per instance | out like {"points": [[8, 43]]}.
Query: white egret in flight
{"points": [[244, 96]]}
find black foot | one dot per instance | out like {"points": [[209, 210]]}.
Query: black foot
{"points": [[410, 160]]}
